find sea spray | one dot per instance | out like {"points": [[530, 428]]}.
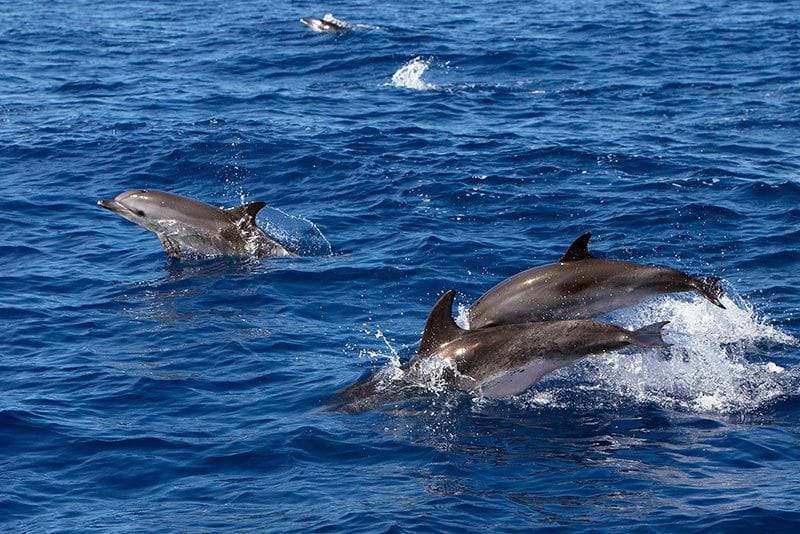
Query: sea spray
{"points": [[705, 370], [409, 76]]}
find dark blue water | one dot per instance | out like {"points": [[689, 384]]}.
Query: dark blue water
{"points": [[442, 145]]}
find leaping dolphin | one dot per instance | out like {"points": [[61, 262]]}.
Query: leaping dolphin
{"points": [[581, 286], [497, 361], [328, 23], [186, 226]]}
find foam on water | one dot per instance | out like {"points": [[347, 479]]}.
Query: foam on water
{"points": [[709, 368], [431, 374], [409, 76]]}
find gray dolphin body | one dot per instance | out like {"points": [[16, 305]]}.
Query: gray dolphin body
{"points": [[186, 226], [581, 286], [328, 23], [499, 361]]}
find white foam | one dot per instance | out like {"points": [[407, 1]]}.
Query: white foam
{"points": [[709, 368], [462, 318], [409, 76], [542, 398], [431, 373]]}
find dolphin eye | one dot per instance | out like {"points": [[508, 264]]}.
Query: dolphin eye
{"points": [[140, 213]]}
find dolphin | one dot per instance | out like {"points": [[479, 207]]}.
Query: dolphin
{"points": [[496, 361], [328, 23], [186, 226], [581, 286]]}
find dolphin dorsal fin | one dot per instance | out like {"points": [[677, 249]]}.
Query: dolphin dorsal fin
{"points": [[440, 326], [578, 250], [246, 213]]}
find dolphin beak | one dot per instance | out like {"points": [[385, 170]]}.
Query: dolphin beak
{"points": [[109, 205]]}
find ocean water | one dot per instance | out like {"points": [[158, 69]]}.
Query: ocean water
{"points": [[435, 146]]}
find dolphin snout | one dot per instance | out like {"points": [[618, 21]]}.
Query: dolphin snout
{"points": [[108, 204]]}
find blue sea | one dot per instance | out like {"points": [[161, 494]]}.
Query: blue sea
{"points": [[436, 146]]}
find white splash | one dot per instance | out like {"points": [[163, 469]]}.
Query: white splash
{"points": [[299, 234], [431, 374], [409, 76], [462, 317], [706, 370]]}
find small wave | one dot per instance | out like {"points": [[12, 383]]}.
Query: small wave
{"points": [[409, 76], [91, 87]]}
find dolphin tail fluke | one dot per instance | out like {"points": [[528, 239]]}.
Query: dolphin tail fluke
{"points": [[649, 336]]}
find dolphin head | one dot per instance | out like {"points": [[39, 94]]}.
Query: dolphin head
{"points": [[138, 206], [328, 23], [157, 210]]}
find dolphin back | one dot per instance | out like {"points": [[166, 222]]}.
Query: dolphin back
{"points": [[372, 391], [357, 397]]}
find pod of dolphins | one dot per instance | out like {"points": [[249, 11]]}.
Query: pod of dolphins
{"points": [[526, 326], [531, 324]]}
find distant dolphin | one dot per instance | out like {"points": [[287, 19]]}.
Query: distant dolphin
{"points": [[328, 23], [185, 226], [497, 361], [581, 286]]}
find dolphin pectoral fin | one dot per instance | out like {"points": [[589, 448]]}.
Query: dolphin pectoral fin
{"points": [[649, 336], [440, 326], [171, 246], [578, 250], [246, 213], [508, 385], [709, 288]]}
